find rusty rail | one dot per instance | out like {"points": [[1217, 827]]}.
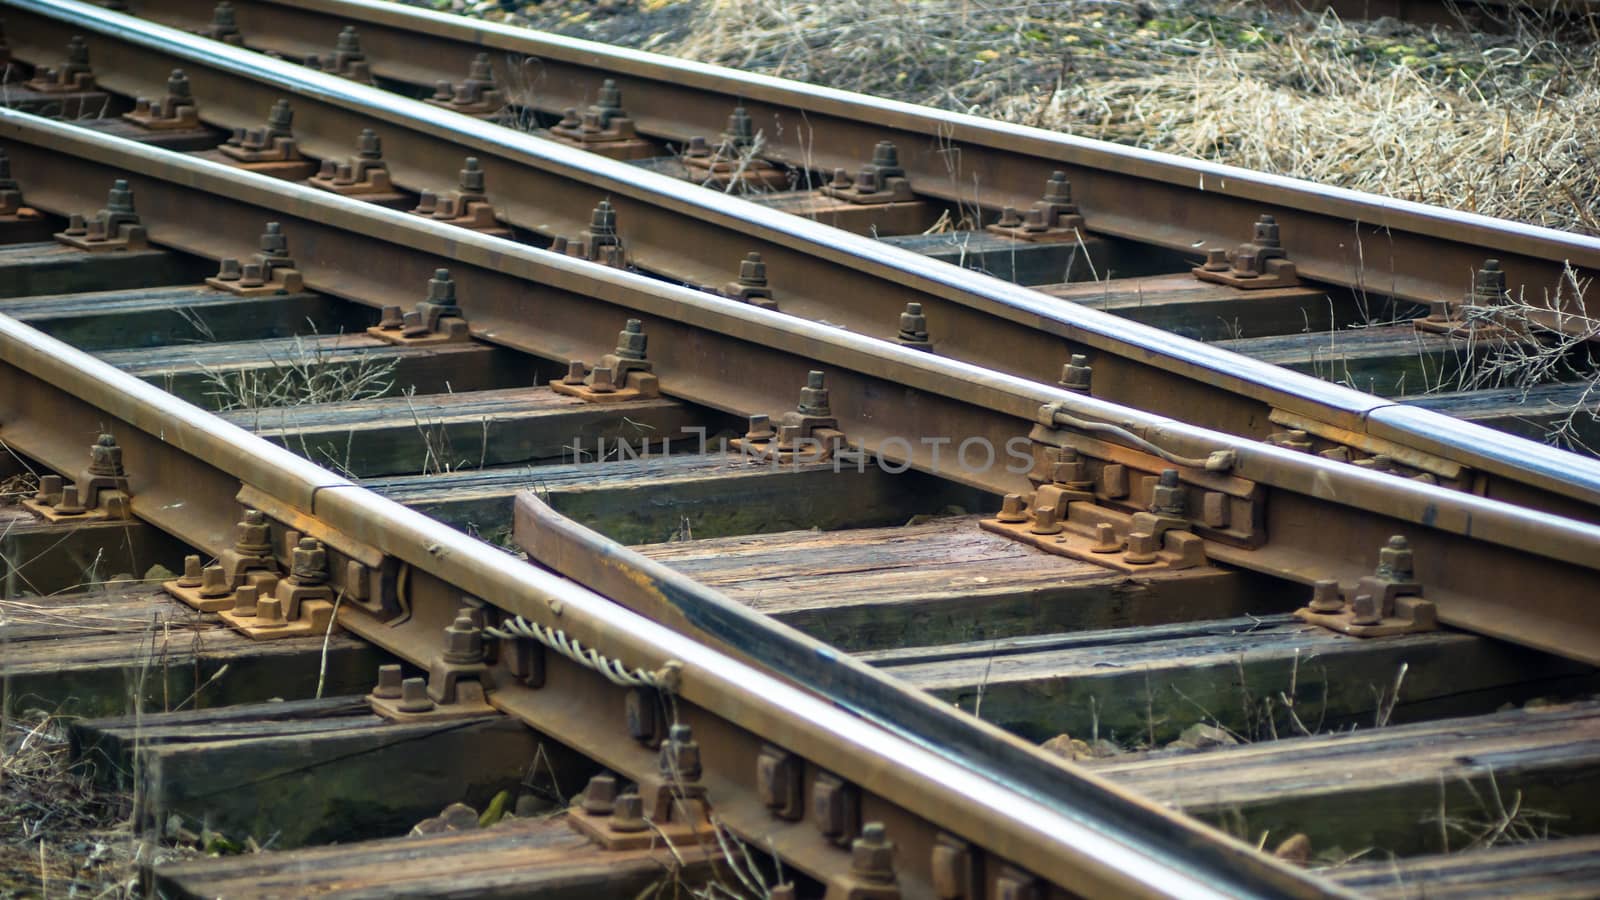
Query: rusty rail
{"points": [[698, 235], [1313, 519], [186, 467]]}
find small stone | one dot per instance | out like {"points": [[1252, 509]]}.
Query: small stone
{"points": [[158, 572], [1295, 849], [1069, 747], [455, 817], [1200, 736]]}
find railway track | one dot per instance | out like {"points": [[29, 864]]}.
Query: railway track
{"points": [[1356, 259], [1145, 614]]}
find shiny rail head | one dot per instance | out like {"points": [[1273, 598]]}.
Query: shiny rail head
{"points": [[1118, 336], [1076, 150], [609, 176], [1011, 395]]}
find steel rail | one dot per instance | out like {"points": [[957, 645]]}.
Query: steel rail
{"points": [[1480, 559], [187, 466], [1418, 252], [823, 274], [1099, 843]]}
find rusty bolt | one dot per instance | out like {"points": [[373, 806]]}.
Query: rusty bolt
{"points": [[814, 396], [1394, 560], [281, 117], [601, 380], [872, 855], [388, 687], [631, 341], [603, 220], [329, 170], [1489, 284], [76, 224], [1077, 375], [442, 290], [413, 694], [191, 572], [1325, 597], [1246, 264], [575, 372], [1069, 469], [841, 180], [600, 797], [105, 457], [229, 271], [269, 614], [885, 155], [569, 118], [914, 328], [1009, 218], [1365, 610], [251, 275], [213, 582], [369, 145], [443, 89], [309, 562], [348, 41], [1044, 521], [464, 641], [760, 428], [628, 814], [1058, 189], [70, 504], [680, 754], [391, 319], [252, 535], [49, 489], [427, 203], [1105, 539], [273, 242], [1266, 233], [480, 69], [740, 128], [472, 176], [610, 95], [752, 271], [1012, 509], [246, 600], [120, 198], [1141, 549], [1216, 260], [1167, 498]]}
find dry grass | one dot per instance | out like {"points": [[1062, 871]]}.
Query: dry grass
{"points": [[59, 835], [1496, 124], [306, 374]]}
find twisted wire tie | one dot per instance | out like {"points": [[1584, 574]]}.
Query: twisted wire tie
{"points": [[666, 678]]}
